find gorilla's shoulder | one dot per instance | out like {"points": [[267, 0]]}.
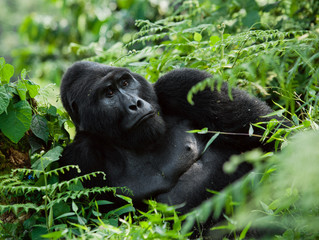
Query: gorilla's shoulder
{"points": [[179, 76]]}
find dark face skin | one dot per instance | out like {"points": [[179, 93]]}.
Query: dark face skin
{"points": [[119, 91], [112, 103]]}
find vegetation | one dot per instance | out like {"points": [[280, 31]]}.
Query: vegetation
{"points": [[269, 48]]}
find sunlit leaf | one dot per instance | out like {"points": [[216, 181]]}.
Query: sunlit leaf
{"points": [[197, 37], [213, 40], [6, 73], [22, 89]]}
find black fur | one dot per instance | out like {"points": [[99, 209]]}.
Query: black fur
{"points": [[154, 156]]}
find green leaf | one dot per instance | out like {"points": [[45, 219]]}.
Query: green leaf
{"points": [[103, 202], [22, 90], [53, 235], [251, 130], [214, 40], [32, 88], [76, 186], [197, 37], [306, 123], [35, 144], [4, 99], [244, 232], [125, 209], [295, 119], [52, 111], [190, 98], [266, 208], [50, 220], [68, 214], [251, 18], [23, 74], [74, 207], [125, 4], [270, 6], [54, 153], [6, 73], [38, 231], [51, 156], [17, 121], [211, 141], [201, 131], [226, 35], [275, 113], [39, 126]]}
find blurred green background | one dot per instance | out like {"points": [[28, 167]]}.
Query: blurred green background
{"points": [[47, 35], [37, 34]]}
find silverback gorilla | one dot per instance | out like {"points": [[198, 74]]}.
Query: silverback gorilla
{"points": [[136, 132]]}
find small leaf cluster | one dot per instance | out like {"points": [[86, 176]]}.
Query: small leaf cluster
{"points": [[20, 115], [15, 110]]}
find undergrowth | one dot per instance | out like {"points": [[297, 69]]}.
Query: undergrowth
{"points": [[273, 59]]}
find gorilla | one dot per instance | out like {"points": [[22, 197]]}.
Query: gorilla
{"points": [[137, 133]]}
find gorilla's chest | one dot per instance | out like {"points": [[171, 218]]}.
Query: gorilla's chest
{"points": [[157, 169], [177, 150]]}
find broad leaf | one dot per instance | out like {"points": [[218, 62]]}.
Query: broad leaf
{"points": [[213, 40], [32, 88], [52, 111], [251, 18], [22, 90], [6, 73], [51, 156], [39, 126], [197, 37], [16, 121], [4, 99]]}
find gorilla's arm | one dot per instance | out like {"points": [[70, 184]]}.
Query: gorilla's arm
{"points": [[141, 180], [146, 175], [212, 109]]}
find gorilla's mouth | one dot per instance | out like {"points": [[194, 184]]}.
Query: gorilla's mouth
{"points": [[144, 118]]}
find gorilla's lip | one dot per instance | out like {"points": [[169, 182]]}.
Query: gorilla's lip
{"points": [[144, 118]]}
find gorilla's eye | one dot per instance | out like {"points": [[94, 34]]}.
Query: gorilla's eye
{"points": [[109, 92], [124, 83]]}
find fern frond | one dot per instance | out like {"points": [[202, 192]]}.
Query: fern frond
{"points": [[23, 206]]}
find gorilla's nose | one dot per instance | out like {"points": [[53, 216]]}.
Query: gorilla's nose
{"points": [[139, 104]]}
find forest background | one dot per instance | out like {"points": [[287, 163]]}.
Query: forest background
{"points": [[268, 48]]}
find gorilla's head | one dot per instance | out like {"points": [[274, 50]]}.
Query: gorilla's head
{"points": [[112, 103]]}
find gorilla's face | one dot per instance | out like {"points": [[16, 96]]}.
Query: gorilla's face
{"points": [[119, 92], [111, 102]]}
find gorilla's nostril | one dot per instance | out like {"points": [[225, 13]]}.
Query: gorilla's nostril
{"points": [[139, 104], [133, 107]]}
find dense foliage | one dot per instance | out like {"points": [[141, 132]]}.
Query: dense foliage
{"points": [[269, 48]]}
